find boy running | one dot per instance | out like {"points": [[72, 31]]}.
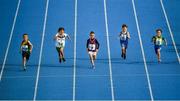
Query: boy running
{"points": [[60, 39], [124, 37], [92, 46], [158, 41], [25, 49]]}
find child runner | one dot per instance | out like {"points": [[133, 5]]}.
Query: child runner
{"points": [[158, 41], [60, 39], [25, 49], [92, 48], [124, 37]]}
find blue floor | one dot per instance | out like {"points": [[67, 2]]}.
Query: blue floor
{"points": [[56, 81]]}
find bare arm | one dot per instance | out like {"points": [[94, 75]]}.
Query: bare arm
{"points": [[55, 37], [128, 35], [87, 43], [165, 41], [153, 39], [31, 45], [68, 37], [98, 45]]}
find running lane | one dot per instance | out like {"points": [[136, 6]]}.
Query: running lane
{"points": [[165, 79], [92, 84], [129, 75], [57, 79], [17, 84], [7, 13], [172, 9]]}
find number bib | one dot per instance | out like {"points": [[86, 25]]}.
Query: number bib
{"points": [[59, 40], [123, 37], [25, 48], [92, 47], [59, 43], [158, 41]]}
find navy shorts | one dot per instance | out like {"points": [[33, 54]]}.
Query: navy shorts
{"points": [[124, 44], [157, 47], [26, 54]]}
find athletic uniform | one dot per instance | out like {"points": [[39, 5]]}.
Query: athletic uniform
{"points": [[124, 36], [26, 46], [158, 42], [60, 41], [92, 45]]}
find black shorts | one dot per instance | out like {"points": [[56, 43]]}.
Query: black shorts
{"points": [[58, 49], [26, 54]]}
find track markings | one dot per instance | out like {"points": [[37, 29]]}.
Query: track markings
{"points": [[169, 28], [10, 38], [74, 68], [142, 50], [41, 49], [109, 52]]}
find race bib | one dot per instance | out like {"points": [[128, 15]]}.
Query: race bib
{"points": [[59, 40], [92, 47], [25, 48], [59, 44], [158, 42], [123, 37]]}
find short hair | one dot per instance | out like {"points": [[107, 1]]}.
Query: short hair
{"points": [[25, 34], [61, 28], [92, 32], [157, 30], [124, 25]]}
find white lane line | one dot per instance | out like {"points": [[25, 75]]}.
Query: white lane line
{"points": [[169, 27], [41, 49], [10, 38], [74, 71], [109, 52], [142, 50]]}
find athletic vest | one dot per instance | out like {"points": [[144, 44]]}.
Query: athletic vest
{"points": [[25, 46], [61, 38], [123, 36], [158, 40], [92, 45]]}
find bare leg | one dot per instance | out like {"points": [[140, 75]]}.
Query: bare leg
{"points": [[24, 63], [94, 56], [91, 59], [159, 55], [123, 50], [123, 53], [62, 54]]}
